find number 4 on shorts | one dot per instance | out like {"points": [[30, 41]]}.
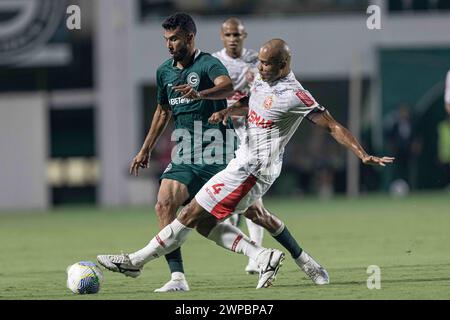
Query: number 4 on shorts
{"points": [[218, 187]]}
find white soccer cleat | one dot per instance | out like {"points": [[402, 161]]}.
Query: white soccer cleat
{"points": [[314, 271], [174, 285], [252, 267], [270, 261], [119, 263]]}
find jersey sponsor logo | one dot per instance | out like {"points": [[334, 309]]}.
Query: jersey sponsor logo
{"points": [[259, 121], [193, 79], [268, 101], [305, 97], [217, 187], [175, 101]]}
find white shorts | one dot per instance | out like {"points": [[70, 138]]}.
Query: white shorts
{"points": [[232, 190]]}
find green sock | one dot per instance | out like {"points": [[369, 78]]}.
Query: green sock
{"points": [[175, 261], [287, 240]]}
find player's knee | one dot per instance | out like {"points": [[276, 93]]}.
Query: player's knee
{"points": [[191, 214], [163, 207]]}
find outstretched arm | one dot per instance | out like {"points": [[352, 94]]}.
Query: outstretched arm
{"points": [[345, 138], [160, 120]]}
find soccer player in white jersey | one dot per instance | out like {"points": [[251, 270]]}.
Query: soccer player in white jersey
{"points": [[277, 105], [241, 64], [447, 93]]}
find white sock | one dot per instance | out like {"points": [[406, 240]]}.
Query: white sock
{"points": [[233, 220], [302, 259], [167, 240], [231, 238], [178, 276], [255, 231]]}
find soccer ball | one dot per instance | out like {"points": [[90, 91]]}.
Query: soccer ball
{"points": [[84, 277]]}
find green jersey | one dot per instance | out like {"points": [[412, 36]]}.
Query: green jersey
{"points": [[192, 114]]}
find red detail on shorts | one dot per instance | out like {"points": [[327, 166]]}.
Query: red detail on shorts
{"points": [[228, 204], [235, 243], [217, 187], [160, 241], [305, 98]]}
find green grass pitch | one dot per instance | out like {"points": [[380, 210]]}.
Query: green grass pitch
{"points": [[408, 238]]}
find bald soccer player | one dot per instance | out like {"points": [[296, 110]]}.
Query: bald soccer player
{"points": [[188, 66], [278, 103], [241, 64]]}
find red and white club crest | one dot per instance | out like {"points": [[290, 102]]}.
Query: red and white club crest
{"points": [[268, 101]]}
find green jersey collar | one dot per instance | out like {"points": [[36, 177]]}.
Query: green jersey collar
{"points": [[196, 54]]}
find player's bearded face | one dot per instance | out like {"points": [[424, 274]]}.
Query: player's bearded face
{"points": [[177, 43]]}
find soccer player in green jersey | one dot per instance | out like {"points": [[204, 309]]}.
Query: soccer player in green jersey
{"points": [[192, 85]]}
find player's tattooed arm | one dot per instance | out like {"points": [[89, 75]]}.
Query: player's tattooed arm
{"points": [[223, 88], [345, 138], [240, 108], [160, 120]]}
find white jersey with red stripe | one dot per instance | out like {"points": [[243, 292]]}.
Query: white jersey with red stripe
{"points": [[275, 112], [447, 88]]}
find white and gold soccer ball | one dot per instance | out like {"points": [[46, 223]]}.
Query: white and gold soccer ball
{"points": [[84, 277]]}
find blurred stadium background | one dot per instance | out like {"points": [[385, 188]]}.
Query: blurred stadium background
{"points": [[75, 105]]}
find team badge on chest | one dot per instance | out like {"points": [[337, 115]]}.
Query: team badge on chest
{"points": [[268, 101], [193, 79]]}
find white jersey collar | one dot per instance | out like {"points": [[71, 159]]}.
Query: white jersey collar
{"points": [[289, 78], [225, 54]]}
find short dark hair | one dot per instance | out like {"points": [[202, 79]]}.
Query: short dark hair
{"points": [[182, 20]]}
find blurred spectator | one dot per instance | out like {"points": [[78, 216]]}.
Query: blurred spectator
{"points": [[403, 145]]}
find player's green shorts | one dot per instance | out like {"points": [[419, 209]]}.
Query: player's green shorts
{"points": [[192, 176]]}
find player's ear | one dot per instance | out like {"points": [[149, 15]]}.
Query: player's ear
{"points": [[244, 35], [190, 37]]}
